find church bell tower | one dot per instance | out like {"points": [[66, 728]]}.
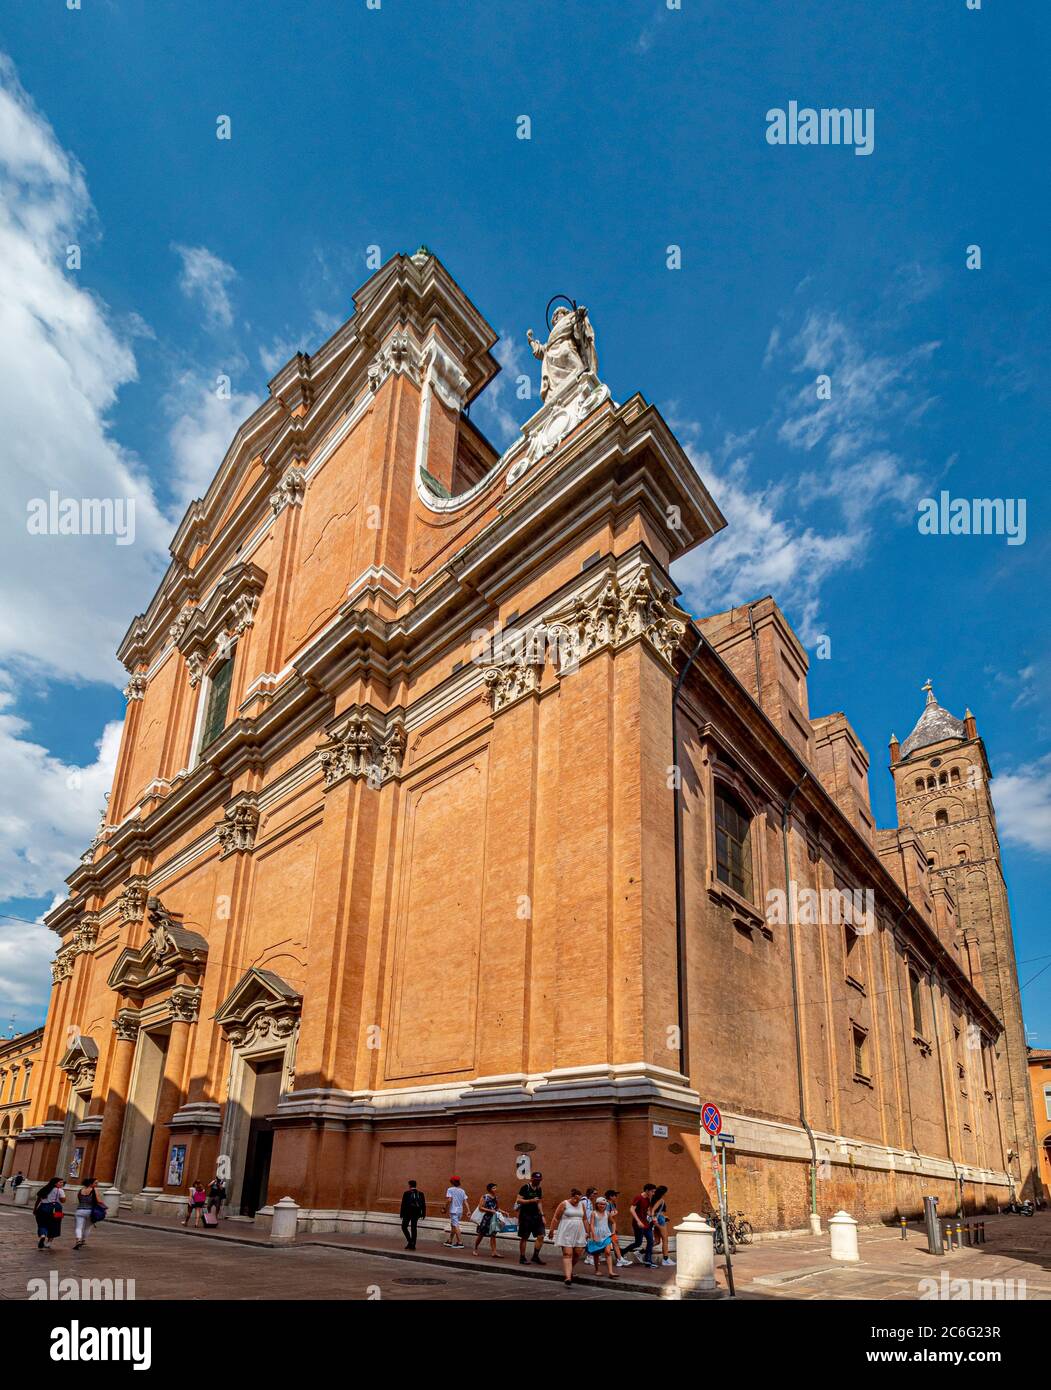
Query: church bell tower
{"points": [[942, 787]]}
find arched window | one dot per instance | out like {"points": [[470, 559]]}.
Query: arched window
{"points": [[733, 843], [919, 784], [954, 774], [932, 861], [931, 784], [943, 779], [941, 818]]}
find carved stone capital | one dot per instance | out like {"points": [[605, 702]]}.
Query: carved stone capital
{"points": [[398, 354], [237, 829], [508, 681], [363, 744], [135, 688], [184, 1004], [131, 901], [615, 614], [126, 1026], [290, 491]]}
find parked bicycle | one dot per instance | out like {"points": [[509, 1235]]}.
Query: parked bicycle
{"points": [[738, 1229]]}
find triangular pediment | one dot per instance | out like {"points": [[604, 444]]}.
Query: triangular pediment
{"points": [[257, 992]]}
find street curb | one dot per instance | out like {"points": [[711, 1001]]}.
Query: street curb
{"points": [[667, 1291], [117, 1221]]}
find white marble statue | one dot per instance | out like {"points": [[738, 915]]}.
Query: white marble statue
{"points": [[569, 351]]}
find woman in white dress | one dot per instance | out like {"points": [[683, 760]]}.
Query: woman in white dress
{"points": [[600, 1236], [571, 1231]]}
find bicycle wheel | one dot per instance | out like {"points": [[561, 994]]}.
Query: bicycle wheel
{"points": [[744, 1233]]}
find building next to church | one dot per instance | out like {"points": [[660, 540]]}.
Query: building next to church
{"points": [[19, 1057], [443, 840], [1040, 1079]]}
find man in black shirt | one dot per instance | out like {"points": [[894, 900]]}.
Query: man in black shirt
{"points": [[531, 1218], [413, 1210]]}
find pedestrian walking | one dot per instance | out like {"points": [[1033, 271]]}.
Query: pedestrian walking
{"points": [[642, 1226], [89, 1203], [531, 1225], [196, 1204], [413, 1210], [611, 1205], [216, 1198], [570, 1233], [48, 1212], [491, 1216], [661, 1225], [18, 1179], [455, 1206], [600, 1236]]}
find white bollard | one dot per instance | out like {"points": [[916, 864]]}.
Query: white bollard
{"points": [[111, 1196], [844, 1232], [22, 1194], [694, 1256], [286, 1219]]}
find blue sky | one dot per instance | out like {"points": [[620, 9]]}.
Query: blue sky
{"points": [[354, 127]]}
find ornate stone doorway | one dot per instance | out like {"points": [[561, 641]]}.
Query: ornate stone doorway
{"points": [[137, 1139], [260, 1018]]}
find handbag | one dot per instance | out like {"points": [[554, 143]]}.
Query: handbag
{"points": [[98, 1213]]}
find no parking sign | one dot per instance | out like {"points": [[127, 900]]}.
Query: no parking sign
{"points": [[711, 1118]]}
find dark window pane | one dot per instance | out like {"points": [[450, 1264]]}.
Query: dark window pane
{"points": [[218, 699], [733, 852]]}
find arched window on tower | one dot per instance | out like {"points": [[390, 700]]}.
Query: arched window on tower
{"points": [[941, 818], [931, 783], [954, 774], [943, 779], [919, 784]]}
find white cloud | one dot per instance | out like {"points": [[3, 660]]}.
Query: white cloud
{"points": [[50, 809], [25, 980], [868, 390], [498, 412], [62, 363], [1023, 806], [761, 551], [203, 425], [204, 278]]}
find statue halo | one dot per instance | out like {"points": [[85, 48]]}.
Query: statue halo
{"points": [[554, 300]]}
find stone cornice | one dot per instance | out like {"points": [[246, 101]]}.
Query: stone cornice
{"points": [[308, 398]]}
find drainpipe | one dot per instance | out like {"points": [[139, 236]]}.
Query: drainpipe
{"points": [[755, 650], [680, 906], [945, 1098], [786, 807]]}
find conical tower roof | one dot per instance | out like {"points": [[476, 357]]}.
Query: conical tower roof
{"points": [[933, 725]]}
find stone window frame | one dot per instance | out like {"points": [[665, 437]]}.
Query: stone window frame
{"points": [[720, 771], [859, 1052], [204, 696]]}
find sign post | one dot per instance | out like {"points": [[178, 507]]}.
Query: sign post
{"points": [[712, 1120]]}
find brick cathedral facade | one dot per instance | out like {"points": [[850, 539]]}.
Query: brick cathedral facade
{"points": [[442, 839]]}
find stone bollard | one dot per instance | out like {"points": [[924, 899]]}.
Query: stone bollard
{"points": [[844, 1232], [286, 1218], [111, 1196], [815, 1224], [22, 1195], [694, 1256]]}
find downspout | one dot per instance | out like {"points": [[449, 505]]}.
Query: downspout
{"points": [[945, 1098], [786, 808], [680, 906], [755, 650]]}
